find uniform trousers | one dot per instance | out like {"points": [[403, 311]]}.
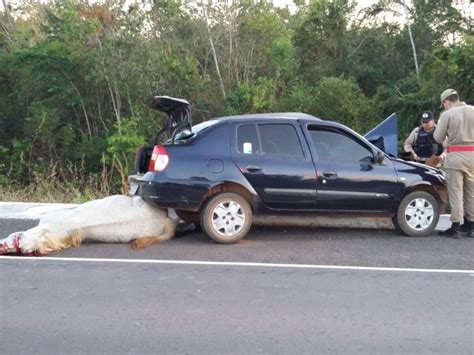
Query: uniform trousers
{"points": [[461, 194]]}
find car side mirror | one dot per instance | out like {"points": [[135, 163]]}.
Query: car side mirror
{"points": [[379, 157]]}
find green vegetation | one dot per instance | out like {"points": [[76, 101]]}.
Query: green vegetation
{"points": [[75, 76]]}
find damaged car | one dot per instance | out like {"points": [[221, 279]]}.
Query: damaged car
{"points": [[226, 172]]}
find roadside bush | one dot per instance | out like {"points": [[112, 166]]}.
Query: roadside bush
{"points": [[341, 100], [121, 148]]}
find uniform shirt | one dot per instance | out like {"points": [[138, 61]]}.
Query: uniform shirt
{"points": [[457, 124]]}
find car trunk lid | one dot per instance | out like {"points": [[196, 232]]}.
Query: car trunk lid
{"points": [[178, 122]]}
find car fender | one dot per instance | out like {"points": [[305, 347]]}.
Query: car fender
{"points": [[242, 188], [417, 176]]}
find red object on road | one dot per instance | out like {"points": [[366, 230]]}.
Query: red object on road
{"points": [[11, 244]]}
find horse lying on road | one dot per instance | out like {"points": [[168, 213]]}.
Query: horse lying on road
{"points": [[114, 219]]}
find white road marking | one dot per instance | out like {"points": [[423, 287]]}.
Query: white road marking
{"points": [[222, 263]]}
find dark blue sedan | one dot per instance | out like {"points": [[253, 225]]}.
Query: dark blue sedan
{"points": [[222, 172]]}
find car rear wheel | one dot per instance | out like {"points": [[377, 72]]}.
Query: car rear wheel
{"points": [[418, 214], [226, 218]]}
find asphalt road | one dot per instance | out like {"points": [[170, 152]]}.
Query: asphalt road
{"points": [[326, 246], [84, 306]]}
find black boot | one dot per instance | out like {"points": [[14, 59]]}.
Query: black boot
{"points": [[469, 228], [453, 232]]}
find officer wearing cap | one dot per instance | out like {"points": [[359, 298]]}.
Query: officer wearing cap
{"points": [[421, 144], [457, 124]]}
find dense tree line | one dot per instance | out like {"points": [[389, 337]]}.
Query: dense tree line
{"points": [[75, 75]]}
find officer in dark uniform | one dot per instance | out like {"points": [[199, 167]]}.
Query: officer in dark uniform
{"points": [[421, 144]]}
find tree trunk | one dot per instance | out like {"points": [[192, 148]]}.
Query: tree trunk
{"points": [[411, 39], [414, 51], [214, 54]]}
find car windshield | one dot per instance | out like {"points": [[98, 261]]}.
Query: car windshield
{"points": [[185, 135]]}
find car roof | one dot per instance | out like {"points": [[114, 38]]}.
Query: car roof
{"points": [[277, 115], [286, 115]]}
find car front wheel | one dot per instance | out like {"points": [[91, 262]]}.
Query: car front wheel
{"points": [[418, 214], [226, 218]]}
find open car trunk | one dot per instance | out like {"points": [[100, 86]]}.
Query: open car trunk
{"points": [[178, 120]]}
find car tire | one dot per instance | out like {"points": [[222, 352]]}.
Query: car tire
{"points": [[226, 218], [188, 216], [418, 214]]}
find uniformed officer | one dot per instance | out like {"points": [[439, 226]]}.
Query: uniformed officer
{"points": [[457, 124], [421, 144]]}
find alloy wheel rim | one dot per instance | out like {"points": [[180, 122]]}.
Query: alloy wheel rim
{"points": [[419, 214], [228, 218]]}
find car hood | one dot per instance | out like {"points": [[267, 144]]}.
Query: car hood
{"points": [[385, 135]]}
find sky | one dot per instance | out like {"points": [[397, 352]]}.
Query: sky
{"points": [[466, 6], [282, 3], [360, 3]]}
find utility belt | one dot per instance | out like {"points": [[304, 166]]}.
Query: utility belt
{"points": [[461, 148]]}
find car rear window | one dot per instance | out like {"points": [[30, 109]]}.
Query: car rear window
{"points": [[247, 139], [269, 139], [195, 130], [280, 140]]}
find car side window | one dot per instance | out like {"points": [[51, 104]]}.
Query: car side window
{"points": [[336, 147], [247, 139], [280, 140]]}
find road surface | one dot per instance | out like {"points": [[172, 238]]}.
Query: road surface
{"points": [[279, 291]]}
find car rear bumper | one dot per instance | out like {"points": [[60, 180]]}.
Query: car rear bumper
{"points": [[163, 193]]}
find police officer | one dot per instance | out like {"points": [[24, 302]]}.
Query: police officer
{"points": [[421, 144], [457, 124]]}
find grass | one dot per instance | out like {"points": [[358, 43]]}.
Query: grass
{"points": [[70, 184], [54, 191]]}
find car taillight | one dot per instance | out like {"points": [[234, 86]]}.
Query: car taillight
{"points": [[159, 159]]}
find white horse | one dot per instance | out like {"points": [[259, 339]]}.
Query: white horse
{"points": [[114, 219]]}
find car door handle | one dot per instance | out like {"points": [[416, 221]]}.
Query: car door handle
{"points": [[330, 174], [253, 168]]}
